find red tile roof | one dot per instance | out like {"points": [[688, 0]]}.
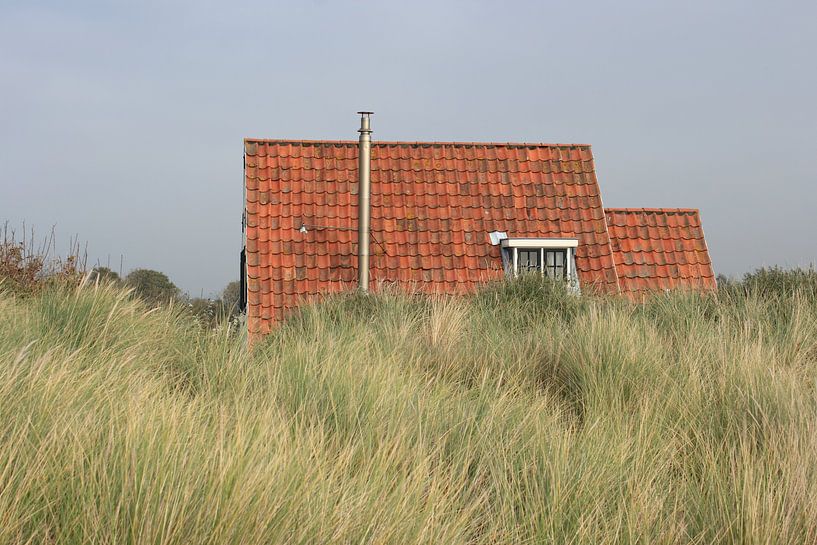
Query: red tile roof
{"points": [[433, 205], [659, 248]]}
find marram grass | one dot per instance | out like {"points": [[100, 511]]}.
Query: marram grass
{"points": [[519, 415]]}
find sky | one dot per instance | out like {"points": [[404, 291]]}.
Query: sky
{"points": [[121, 123]]}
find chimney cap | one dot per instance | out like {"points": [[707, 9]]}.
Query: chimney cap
{"points": [[365, 123]]}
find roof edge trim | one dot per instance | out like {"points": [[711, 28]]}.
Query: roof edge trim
{"points": [[416, 143], [651, 210]]}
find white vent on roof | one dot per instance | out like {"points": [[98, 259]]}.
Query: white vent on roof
{"points": [[497, 237]]}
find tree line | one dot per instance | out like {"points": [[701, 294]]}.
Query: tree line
{"points": [[156, 289]]}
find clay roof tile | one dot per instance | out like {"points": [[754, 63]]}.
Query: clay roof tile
{"points": [[671, 238]]}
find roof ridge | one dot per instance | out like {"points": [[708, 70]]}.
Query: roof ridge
{"points": [[415, 143], [664, 210]]}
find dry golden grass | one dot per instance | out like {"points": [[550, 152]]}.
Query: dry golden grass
{"points": [[520, 415]]}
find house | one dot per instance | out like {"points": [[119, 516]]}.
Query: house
{"points": [[445, 218]]}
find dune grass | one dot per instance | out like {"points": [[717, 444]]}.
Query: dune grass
{"points": [[519, 415]]}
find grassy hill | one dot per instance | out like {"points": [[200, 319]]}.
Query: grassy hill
{"points": [[519, 415]]}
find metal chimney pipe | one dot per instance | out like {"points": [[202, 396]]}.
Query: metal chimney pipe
{"points": [[363, 194]]}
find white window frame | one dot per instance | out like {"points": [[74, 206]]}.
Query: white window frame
{"points": [[569, 245]]}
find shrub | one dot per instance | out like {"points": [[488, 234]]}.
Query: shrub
{"points": [[153, 287], [776, 281], [104, 275], [26, 269]]}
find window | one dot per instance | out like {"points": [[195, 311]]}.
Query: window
{"points": [[551, 257], [549, 262]]}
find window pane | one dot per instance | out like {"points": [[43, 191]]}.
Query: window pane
{"points": [[528, 260], [555, 264]]}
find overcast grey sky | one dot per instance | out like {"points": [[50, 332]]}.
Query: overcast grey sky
{"points": [[122, 122]]}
